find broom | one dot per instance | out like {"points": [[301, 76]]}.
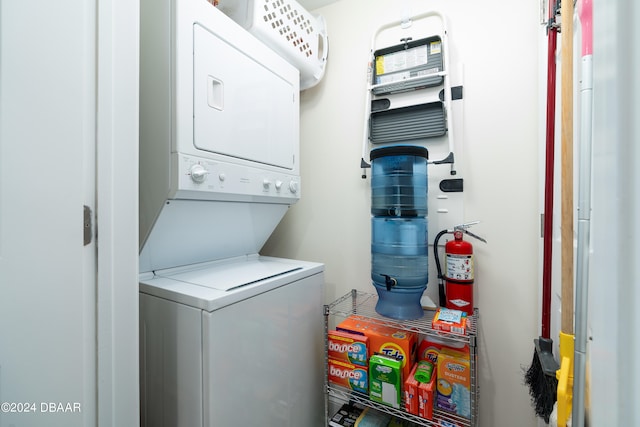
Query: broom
{"points": [[541, 375], [566, 337]]}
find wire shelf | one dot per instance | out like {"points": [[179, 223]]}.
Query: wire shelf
{"points": [[363, 304], [346, 395]]}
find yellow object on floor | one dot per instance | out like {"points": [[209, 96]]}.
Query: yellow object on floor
{"points": [[565, 378]]}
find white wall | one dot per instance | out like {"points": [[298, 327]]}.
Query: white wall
{"points": [[498, 43], [614, 296]]}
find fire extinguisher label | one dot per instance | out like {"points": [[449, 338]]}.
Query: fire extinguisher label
{"points": [[459, 267]]}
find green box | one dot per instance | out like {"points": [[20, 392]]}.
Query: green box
{"points": [[385, 380]]}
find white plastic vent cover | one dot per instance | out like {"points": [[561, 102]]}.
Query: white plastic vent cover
{"points": [[287, 28]]}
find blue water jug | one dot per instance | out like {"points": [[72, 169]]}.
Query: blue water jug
{"points": [[399, 266], [399, 181]]}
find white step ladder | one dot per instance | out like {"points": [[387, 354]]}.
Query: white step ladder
{"points": [[400, 78]]}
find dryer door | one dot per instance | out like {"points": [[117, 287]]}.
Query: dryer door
{"points": [[242, 107]]}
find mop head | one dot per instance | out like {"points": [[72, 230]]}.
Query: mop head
{"points": [[542, 382]]}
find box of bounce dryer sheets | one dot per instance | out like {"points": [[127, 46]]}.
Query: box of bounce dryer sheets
{"points": [[348, 347], [348, 375]]}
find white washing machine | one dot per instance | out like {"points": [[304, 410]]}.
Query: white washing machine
{"points": [[236, 343], [227, 337]]}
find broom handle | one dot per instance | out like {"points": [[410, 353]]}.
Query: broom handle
{"points": [[566, 226], [547, 232]]}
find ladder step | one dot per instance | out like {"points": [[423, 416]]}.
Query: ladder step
{"points": [[407, 123]]}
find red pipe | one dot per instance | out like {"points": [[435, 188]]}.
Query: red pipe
{"points": [[549, 167]]}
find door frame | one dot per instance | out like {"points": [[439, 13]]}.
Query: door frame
{"points": [[117, 212]]}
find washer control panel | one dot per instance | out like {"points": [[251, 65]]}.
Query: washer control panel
{"points": [[200, 178]]}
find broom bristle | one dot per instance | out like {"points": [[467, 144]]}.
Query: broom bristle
{"points": [[542, 388]]}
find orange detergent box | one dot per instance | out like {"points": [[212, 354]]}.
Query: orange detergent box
{"points": [[431, 346], [385, 340], [454, 383], [348, 347], [348, 375]]}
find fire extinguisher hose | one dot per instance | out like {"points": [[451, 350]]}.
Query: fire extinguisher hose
{"points": [[441, 293]]}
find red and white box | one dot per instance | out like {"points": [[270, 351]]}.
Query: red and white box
{"points": [[411, 402], [426, 397], [452, 321]]}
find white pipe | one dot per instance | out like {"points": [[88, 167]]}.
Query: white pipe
{"points": [[582, 257], [584, 215]]}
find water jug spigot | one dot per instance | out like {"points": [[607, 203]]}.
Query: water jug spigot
{"points": [[389, 281]]}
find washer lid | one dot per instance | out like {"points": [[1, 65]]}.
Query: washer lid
{"points": [[231, 275], [213, 285]]}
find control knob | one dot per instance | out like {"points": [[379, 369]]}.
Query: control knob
{"points": [[198, 173]]}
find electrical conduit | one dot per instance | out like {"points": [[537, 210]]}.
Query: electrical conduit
{"points": [[585, 13]]}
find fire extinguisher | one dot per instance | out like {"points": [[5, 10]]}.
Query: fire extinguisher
{"points": [[456, 287]]}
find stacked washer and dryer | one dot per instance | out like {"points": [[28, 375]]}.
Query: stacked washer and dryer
{"points": [[227, 337]]}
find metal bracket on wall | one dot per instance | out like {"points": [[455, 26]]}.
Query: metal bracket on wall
{"points": [[455, 185], [456, 93], [87, 225]]}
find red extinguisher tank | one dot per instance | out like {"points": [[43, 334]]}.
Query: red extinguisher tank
{"points": [[455, 285], [459, 274]]}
